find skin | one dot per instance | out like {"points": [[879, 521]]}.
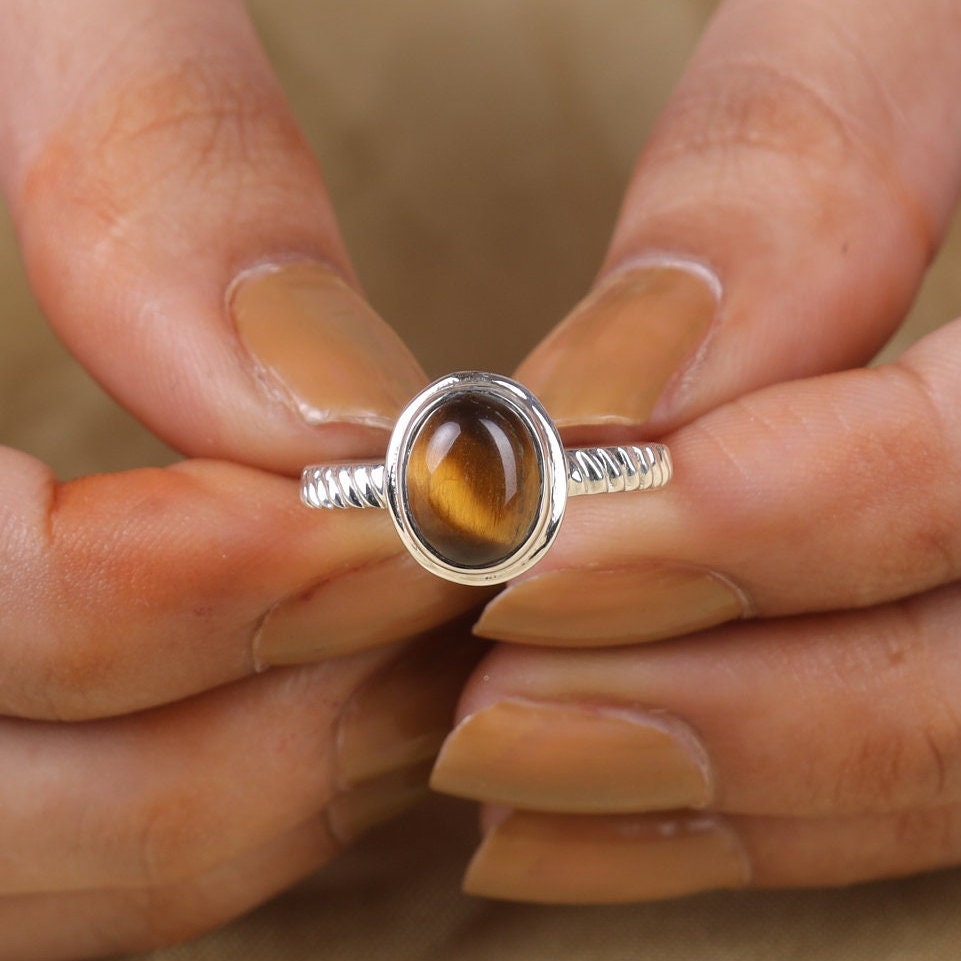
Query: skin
{"points": [[832, 737], [154, 107], [137, 144]]}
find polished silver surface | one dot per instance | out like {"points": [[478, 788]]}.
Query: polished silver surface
{"points": [[590, 470], [343, 486], [610, 470], [563, 474], [550, 463]]}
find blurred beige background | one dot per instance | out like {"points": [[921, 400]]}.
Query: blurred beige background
{"points": [[476, 153]]}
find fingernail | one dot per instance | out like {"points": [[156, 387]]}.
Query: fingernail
{"points": [[319, 344], [638, 328], [400, 717], [583, 608], [372, 803], [571, 859], [580, 758], [335, 617]]}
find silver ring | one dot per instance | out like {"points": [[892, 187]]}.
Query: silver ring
{"points": [[476, 478]]}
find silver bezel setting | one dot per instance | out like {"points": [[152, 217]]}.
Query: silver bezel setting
{"points": [[551, 462]]}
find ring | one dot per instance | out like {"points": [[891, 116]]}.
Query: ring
{"points": [[476, 478]]}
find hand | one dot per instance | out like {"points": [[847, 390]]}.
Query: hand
{"points": [[777, 229], [177, 234]]}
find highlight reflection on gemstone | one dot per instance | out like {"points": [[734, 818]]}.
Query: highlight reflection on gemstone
{"points": [[473, 480]]}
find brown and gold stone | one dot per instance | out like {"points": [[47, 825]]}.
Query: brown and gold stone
{"points": [[473, 481]]}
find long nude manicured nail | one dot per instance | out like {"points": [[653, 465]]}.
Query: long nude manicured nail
{"points": [[336, 617], [571, 859], [579, 758], [583, 608], [322, 346], [359, 809], [638, 328], [400, 717]]}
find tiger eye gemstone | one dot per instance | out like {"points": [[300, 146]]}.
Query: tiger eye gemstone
{"points": [[473, 481]]}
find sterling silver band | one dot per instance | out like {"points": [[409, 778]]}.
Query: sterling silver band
{"points": [[492, 551], [590, 470]]}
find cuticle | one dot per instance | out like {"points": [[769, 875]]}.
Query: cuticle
{"points": [[338, 782], [736, 845], [748, 610], [686, 375], [681, 379], [310, 592], [272, 265], [666, 259], [257, 663], [339, 795], [316, 417], [340, 837]]}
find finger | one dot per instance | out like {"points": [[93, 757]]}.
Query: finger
{"points": [[557, 859], [178, 235], [136, 589], [821, 716], [830, 493], [95, 923], [76, 925], [159, 797], [780, 219]]}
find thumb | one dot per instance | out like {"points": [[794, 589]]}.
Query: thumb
{"points": [[178, 235], [779, 221]]}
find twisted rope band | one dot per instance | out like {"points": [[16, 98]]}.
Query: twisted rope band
{"points": [[590, 470], [608, 470], [343, 486]]}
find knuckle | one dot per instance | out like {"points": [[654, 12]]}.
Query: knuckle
{"points": [[930, 836], [925, 458], [939, 732], [150, 919], [872, 773], [127, 593], [199, 115], [168, 921], [170, 843], [186, 127], [87, 658], [902, 758], [762, 107], [813, 151], [74, 674]]}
